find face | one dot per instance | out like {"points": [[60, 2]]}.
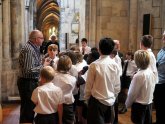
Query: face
{"points": [[84, 44], [117, 44], [52, 53], [39, 39]]}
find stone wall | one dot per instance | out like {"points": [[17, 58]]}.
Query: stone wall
{"points": [[153, 7], [123, 20]]}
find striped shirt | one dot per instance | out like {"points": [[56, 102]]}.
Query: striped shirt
{"points": [[30, 61]]}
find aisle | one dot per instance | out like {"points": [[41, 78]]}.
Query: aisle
{"points": [[11, 115]]}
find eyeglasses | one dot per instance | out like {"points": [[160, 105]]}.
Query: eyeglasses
{"points": [[40, 38]]}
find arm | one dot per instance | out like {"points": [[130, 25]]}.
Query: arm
{"points": [[134, 90], [34, 97], [90, 80], [29, 61], [60, 113]]}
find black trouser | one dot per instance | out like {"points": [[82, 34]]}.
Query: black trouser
{"points": [[26, 87], [68, 114], [46, 118], [99, 113], [141, 114], [159, 102]]}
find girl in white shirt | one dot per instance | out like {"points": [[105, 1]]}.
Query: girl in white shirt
{"points": [[140, 93]]}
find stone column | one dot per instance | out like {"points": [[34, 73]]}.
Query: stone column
{"points": [[21, 22], [133, 25], [15, 15], [0, 49], [6, 29], [92, 22], [163, 15]]}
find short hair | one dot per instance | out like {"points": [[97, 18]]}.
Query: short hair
{"points": [[34, 34], [79, 56], [47, 72], [84, 40], [75, 48], [64, 64], [94, 55], [147, 41], [53, 47], [142, 59], [106, 45], [94, 49], [72, 56], [130, 53]]}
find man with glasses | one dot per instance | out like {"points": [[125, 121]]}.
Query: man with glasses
{"points": [[30, 65]]}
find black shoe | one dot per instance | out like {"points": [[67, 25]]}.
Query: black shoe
{"points": [[122, 111]]}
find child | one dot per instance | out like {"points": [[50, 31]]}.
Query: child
{"points": [[52, 58], [140, 93], [102, 85], [82, 107], [67, 84], [48, 99], [129, 70], [146, 44]]}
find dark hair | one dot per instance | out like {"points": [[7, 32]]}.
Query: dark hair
{"points": [[106, 45], [94, 49], [130, 53], [147, 41], [84, 40], [94, 55]]}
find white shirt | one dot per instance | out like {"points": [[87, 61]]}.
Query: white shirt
{"points": [[55, 61], [47, 98], [131, 68], [67, 84], [87, 50], [103, 80], [152, 64], [73, 71], [141, 88], [118, 61]]}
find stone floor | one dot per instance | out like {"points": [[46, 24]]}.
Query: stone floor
{"points": [[11, 115]]}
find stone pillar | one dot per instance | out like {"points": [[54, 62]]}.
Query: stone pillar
{"points": [[15, 16], [92, 22], [6, 29], [0, 50], [133, 25], [21, 22], [163, 15]]}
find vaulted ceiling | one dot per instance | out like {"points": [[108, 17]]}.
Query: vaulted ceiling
{"points": [[47, 15]]}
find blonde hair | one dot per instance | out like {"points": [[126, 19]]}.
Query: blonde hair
{"points": [[47, 73], [53, 47], [142, 59], [64, 64]]}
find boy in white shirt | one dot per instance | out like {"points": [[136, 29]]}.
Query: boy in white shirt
{"points": [[52, 57], [140, 93], [48, 99], [102, 85], [66, 82]]}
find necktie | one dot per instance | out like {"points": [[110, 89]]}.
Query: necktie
{"points": [[51, 63], [125, 69], [83, 51]]}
